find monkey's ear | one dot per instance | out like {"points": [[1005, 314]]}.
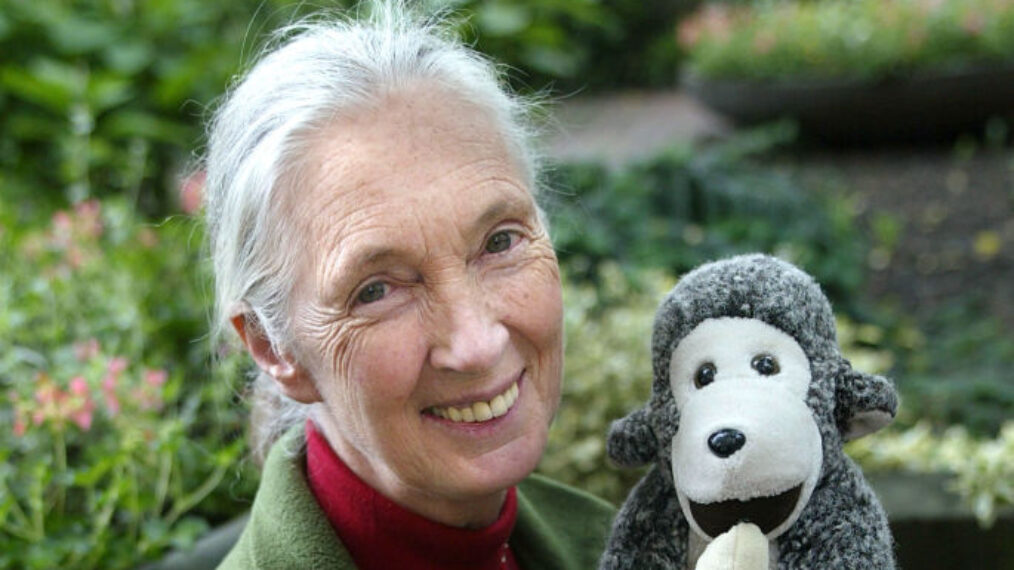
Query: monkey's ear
{"points": [[631, 441], [864, 403]]}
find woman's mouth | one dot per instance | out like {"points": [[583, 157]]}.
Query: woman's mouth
{"points": [[480, 411]]}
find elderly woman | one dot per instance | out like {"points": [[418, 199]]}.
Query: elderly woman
{"points": [[378, 249]]}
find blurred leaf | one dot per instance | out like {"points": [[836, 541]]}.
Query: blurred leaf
{"points": [[91, 475], [34, 127], [502, 19], [41, 86], [554, 61], [5, 27], [987, 244], [129, 57], [187, 531], [74, 35], [145, 125], [106, 91]]}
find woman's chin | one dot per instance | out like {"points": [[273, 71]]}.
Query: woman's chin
{"points": [[499, 469]]}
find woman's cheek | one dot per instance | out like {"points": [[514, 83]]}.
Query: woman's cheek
{"points": [[329, 346], [389, 358], [539, 292]]}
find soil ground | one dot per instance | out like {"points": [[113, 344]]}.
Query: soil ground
{"points": [[953, 219], [944, 216]]}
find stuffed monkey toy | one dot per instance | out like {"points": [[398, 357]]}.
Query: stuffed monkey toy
{"points": [[751, 402]]}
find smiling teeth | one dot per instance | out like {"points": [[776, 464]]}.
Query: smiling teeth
{"points": [[480, 411]]}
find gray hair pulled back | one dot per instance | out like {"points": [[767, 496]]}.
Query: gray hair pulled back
{"points": [[311, 73]]}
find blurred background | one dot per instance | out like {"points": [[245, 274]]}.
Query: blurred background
{"points": [[868, 141]]}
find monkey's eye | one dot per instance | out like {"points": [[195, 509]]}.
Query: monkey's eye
{"points": [[705, 375], [765, 364]]}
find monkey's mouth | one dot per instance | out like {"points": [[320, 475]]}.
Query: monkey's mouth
{"points": [[765, 512]]}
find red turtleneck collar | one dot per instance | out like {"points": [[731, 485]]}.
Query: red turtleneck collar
{"points": [[380, 534]]}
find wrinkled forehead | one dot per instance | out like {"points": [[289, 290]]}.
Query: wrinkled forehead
{"points": [[400, 180], [375, 150]]}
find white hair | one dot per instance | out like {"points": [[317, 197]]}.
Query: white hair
{"points": [[312, 72]]}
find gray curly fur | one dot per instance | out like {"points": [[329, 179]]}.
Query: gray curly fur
{"points": [[843, 525]]}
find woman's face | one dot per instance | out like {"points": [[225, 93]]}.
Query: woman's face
{"points": [[428, 311]]}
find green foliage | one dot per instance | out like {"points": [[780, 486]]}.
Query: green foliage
{"points": [[607, 375], [695, 204], [576, 44], [860, 38], [118, 430], [106, 98], [959, 372], [124, 440], [102, 97]]}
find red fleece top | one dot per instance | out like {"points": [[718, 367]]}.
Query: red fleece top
{"points": [[381, 535]]}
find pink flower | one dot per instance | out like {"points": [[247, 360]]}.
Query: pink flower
{"points": [[53, 403], [712, 22], [148, 396], [688, 33], [79, 386], [109, 394], [146, 399], [192, 192], [147, 238], [48, 394], [86, 350], [80, 406], [763, 43], [83, 417], [117, 365], [20, 425], [155, 378], [112, 404], [62, 223], [75, 257], [89, 218], [973, 23]]}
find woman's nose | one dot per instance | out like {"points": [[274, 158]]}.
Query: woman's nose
{"points": [[468, 335]]}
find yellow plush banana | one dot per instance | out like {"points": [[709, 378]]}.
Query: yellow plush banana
{"points": [[743, 547]]}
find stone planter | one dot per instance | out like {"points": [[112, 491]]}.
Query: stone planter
{"points": [[926, 106], [932, 529]]}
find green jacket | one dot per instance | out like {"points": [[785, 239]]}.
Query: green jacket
{"points": [[558, 528]]}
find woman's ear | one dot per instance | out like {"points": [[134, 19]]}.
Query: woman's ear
{"points": [[293, 379]]}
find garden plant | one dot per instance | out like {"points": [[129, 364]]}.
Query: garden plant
{"points": [[125, 428], [861, 39], [121, 439]]}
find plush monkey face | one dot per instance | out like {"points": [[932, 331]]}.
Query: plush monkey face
{"points": [[747, 447], [750, 402]]}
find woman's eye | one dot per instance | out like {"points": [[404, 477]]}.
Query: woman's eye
{"points": [[373, 292], [765, 364], [705, 375], [499, 242]]}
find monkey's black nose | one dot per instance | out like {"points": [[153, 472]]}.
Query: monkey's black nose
{"points": [[725, 442]]}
